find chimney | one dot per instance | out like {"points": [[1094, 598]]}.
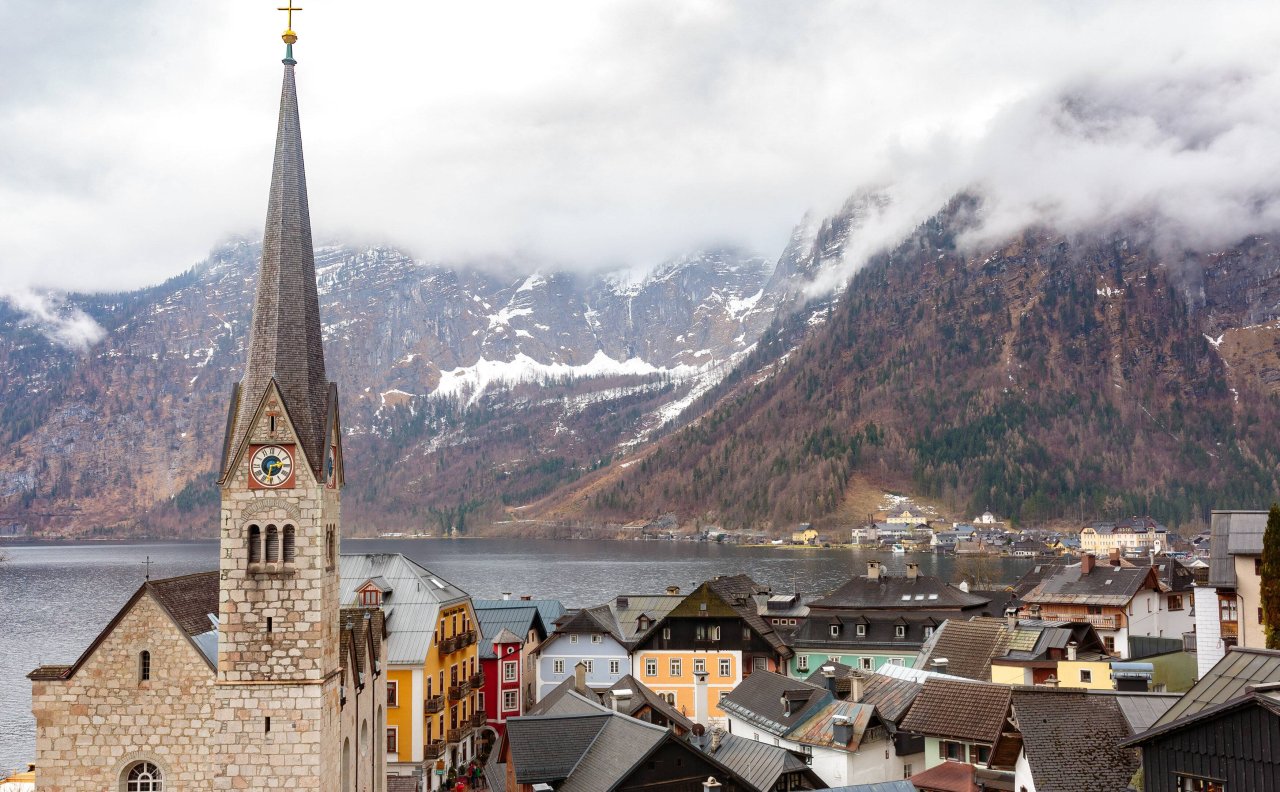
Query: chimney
{"points": [[580, 676], [941, 665], [711, 785], [622, 701], [841, 730], [1052, 681], [1086, 563], [700, 704], [913, 571], [873, 570], [1071, 650], [829, 677], [1011, 616], [857, 680], [506, 595], [698, 737], [1115, 556], [673, 590]]}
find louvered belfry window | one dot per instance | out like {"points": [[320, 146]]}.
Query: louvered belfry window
{"points": [[273, 544]]}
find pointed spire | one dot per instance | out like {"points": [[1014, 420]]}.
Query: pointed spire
{"points": [[285, 340]]}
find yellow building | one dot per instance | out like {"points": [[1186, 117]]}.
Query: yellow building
{"points": [[434, 710]]}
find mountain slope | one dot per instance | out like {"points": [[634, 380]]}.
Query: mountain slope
{"points": [[1043, 378]]}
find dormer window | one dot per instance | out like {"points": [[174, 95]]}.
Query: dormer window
{"points": [[835, 630], [861, 630], [371, 597], [900, 631]]}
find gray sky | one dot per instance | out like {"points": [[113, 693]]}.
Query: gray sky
{"points": [[136, 135]]}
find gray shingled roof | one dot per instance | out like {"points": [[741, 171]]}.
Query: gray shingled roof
{"points": [[546, 748], [619, 747], [759, 700], [285, 341], [923, 592], [1231, 532], [757, 763], [642, 694], [1230, 678], [1104, 585], [1071, 740], [413, 608], [967, 646]]}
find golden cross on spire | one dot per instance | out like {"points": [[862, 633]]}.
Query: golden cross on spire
{"points": [[288, 33]]}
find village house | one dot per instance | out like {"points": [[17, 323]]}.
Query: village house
{"points": [[1220, 736], [549, 612], [1020, 652], [962, 721], [1071, 741], [1229, 607], [876, 619], [715, 631], [1119, 601], [603, 637], [509, 632], [433, 663]]}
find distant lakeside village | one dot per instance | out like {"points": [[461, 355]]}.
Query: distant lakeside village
{"points": [[1124, 658]]}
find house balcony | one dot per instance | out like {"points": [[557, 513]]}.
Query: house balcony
{"points": [[1230, 629], [1099, 621], [467, 638], [479, 719], [459, 692], [433, 750], [457, 735], [433, 705], [477, 680], [448, 645]]}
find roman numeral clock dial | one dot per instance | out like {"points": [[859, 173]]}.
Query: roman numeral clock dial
{"points": [[271, 466]]}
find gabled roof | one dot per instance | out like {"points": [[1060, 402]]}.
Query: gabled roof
{"points": [[1229, 679], [922, 592], [545, 749], [189, 601], [757, 763], [738, 592], [1104, 585], [549, 609], [1267, 700], [412, 609], [1231, 533], [1072, 740], [891, 697], [363, 630], [759, 699], [879, 629], [959, 710], [566, 699], [967, 646], [817, 729], [642, 695], [947, 777], [516, 621]]}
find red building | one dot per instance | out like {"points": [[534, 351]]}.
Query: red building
{"points": [[503, 677]]}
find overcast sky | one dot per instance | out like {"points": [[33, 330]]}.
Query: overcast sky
{"points": [[136, 135]]}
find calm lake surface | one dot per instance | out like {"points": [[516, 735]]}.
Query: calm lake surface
{"points": [[54, 599]]}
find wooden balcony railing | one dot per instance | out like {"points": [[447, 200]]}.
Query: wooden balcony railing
{"points": [[1230, 629], [448, 645], [1097, 620], [477, 680], [433, 705], [457, 735], [466, 639], [479, 719], [459, 692], [433, 749]]}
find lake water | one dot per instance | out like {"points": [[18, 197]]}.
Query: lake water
{"points": [[54, 599]]}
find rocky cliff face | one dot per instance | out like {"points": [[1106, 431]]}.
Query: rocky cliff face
{"points": [[123, 435]]}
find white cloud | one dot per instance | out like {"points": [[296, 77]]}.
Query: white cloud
{"points": [[617, 132], [49, 314]]}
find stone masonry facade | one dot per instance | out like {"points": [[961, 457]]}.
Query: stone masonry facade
{"points": [[90, 727]]}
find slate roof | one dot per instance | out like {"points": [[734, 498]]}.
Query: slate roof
{"points": [[399, 783], [1268, 700], [923, 592], [620, 746], [285, 340], [880, 628], [758, 699], [962, 710], [1105, 585], [879, 786], [546, 748], [1229, 679], [738, 592], [642, 695], [757, 763], [891, 697], [1142, 710], [359, 628], [1232, 532], [565, 699], [516, 619], [1072, 740], [188, 599], [412, 609], [1032, 577]]}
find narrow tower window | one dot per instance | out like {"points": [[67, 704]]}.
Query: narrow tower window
{"points": [[255, 544], [269, 624], [331, 542], [144, 666], [268, 723], [273, 544], [288, 544]]}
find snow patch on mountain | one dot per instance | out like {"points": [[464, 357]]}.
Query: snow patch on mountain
{"points": [[473, 380]]}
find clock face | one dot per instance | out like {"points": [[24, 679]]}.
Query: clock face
{"points": [[271, 466]]}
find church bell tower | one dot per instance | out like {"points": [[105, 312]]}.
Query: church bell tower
{"points": [[277, 695]]}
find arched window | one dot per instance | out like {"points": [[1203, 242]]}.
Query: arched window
{"points": [[143, 777], [288, 544], [346, 765], [144, 666], [255, 544], [273, 544]]}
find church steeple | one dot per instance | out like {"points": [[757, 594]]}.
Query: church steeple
{"points": [[285, 342]]}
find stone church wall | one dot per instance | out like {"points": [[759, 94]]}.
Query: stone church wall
{"points": [[94, 725]]}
